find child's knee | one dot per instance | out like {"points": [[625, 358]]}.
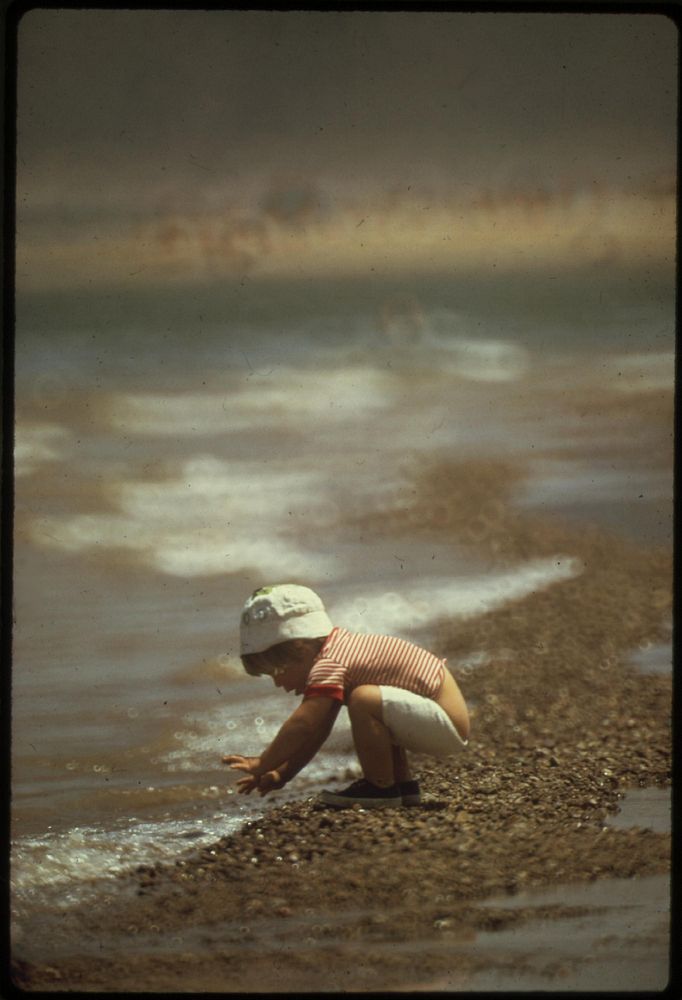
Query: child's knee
{"points": [[365, 698]]}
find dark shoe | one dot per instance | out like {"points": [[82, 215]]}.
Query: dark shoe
{"points": [[365, 794], [410, 793]]}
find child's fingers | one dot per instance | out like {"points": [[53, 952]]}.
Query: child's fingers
{"points": [[236, 763]]}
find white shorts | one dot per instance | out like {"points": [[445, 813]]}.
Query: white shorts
{"points": [[419, 724]]}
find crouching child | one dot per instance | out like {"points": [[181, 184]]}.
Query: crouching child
{"points": [[399, 697]]}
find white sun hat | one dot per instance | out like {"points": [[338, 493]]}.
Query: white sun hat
{"points": [[283, 611]]}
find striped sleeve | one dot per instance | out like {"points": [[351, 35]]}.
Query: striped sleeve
{"points": [[327, 678], [324, 691]]}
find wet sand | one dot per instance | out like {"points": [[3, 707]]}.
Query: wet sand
{"points": [[615, 938], [311, 899]]}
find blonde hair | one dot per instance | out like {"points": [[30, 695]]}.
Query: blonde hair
{"points": [[283, 654]]}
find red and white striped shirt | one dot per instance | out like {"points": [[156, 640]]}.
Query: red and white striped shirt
{"points": [[349, 659]]}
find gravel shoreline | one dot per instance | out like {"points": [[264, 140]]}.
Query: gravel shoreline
{"points": [[312, 899], [376, 895]]}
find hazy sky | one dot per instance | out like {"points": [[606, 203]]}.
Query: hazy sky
{"points": [[124, 105]]}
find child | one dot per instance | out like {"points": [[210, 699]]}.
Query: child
{"points": [[399, 697]]}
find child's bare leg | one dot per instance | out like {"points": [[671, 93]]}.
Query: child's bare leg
{"points": [[371, 737], [401, 766]]}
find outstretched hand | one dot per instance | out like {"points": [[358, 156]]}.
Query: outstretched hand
{"points": [[263, 783], [267, 782]]}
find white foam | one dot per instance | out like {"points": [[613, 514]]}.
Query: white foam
{"points": [[285, 397], [36, 443], [475, 358], [86, 853], [208, 485], [485, 360], [211, 517], [76, 861], [418, 605], [74, 858]]}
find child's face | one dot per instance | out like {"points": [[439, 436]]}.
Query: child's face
{"points": [[293, 677]]}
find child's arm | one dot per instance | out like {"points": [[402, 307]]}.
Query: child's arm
{"points": [[295, 745], [301, 736], [297, 761]]}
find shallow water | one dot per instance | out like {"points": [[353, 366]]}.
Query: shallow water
{"points": [[648, 808], [622, 947]]}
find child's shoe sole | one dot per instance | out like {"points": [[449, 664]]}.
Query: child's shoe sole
{"points": [[363, 793], [411, 800], [410, 792]]}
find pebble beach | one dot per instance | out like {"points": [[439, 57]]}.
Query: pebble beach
{"points": [[311, 899]]}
